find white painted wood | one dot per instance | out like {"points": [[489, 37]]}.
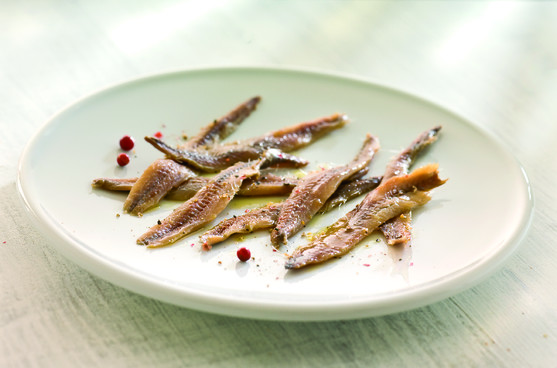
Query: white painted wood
{"points": [[495, 63]]}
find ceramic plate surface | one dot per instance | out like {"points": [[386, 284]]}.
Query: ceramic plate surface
{"points": [[469, 227]]}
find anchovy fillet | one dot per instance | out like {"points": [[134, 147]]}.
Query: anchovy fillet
{"points": [[164, 174], [313, 190], [392, 198], [208, 161], [399, 229], [114, 184], [256, 219], [155, 182], [266, 217], [202, 208], [324, 181], [295, 136], [266, 185], [222, 127], [349, 190], [287, 139]]}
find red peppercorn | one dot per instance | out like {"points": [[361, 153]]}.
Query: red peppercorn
{"points": [[123, 159], [127, 143], [243, 254], [158, 135]]}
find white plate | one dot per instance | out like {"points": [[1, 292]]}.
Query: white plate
{"points": [[472, 224]]}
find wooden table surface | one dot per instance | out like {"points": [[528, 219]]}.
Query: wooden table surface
{"points": [[494, 63]]}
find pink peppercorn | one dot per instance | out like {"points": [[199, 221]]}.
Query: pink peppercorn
{"points": [[243, 254], [127, 143], [123, 159], [158, 135]]}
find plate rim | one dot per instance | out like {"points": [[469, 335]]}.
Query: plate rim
{"points": [[376, 305]]}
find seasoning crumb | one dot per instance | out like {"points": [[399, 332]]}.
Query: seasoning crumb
{"points": [[366, 265], [219, 262], [159, 222], [377, 240], [117, 215], [411, 263]]}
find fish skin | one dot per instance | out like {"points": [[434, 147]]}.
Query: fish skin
{"points": [[219, 157], [265, 217], [146, 193], [401, 163], [393, 197], [202, 208], [256, 219], [313, 191], [114, 184], [155, 182], [222, 127], [294, 137], [398, 230], [266, 185], [208, 161], [349, 190]]}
